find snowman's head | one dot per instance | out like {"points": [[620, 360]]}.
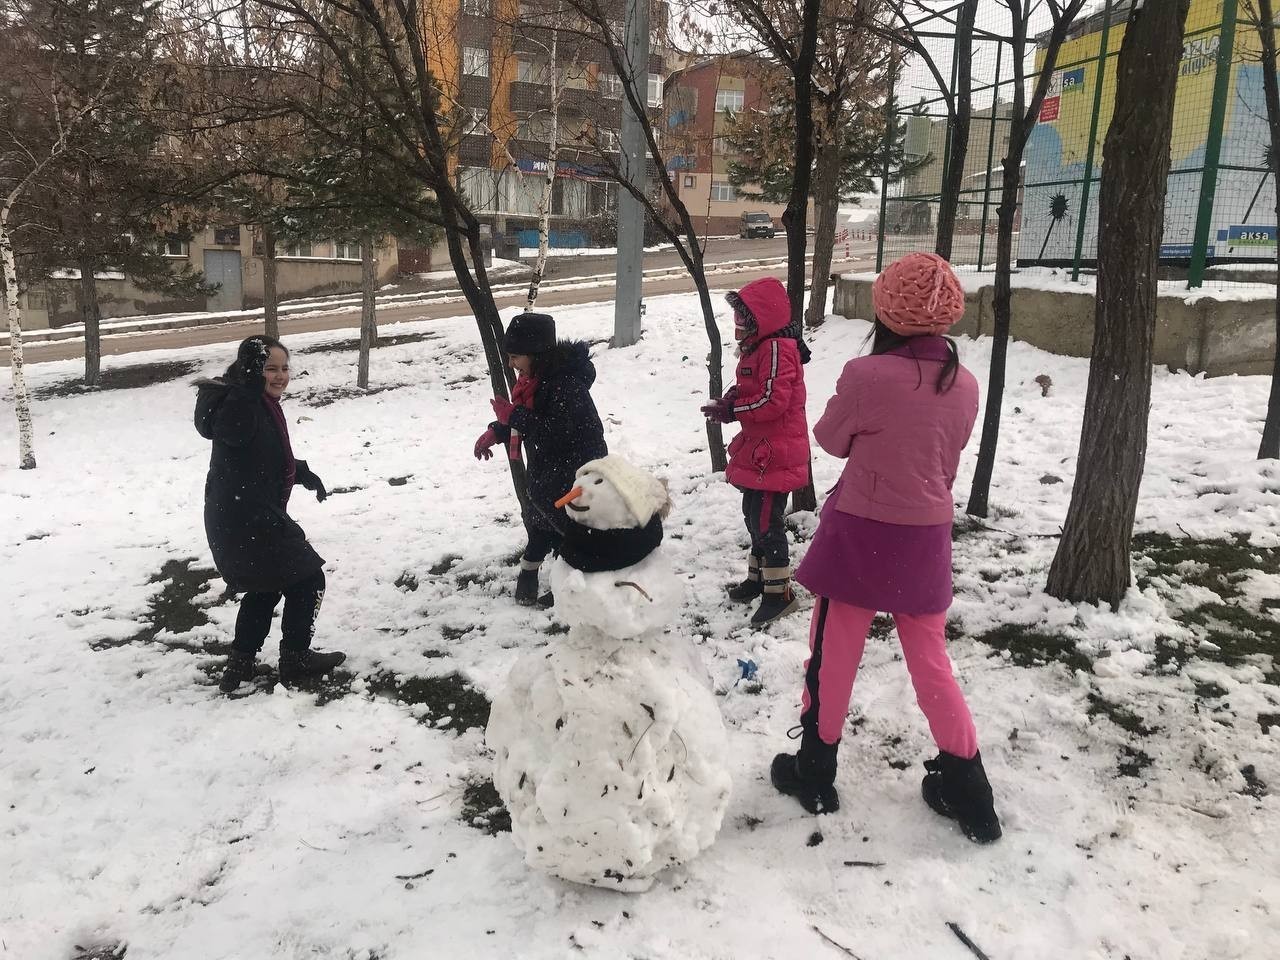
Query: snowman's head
{"points": [[611, 494], [600, 505]]}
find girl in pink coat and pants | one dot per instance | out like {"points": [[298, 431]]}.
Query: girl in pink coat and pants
{"points": [[769, 458], [900, 417]]}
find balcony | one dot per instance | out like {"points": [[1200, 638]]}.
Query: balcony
{"points": [[475, 92], [475, 150]]}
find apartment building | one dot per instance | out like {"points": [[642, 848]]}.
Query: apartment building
{"points": [[514, 72], [702, 98]]}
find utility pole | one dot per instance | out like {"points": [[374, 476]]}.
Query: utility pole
{"points": [[626, 316]]}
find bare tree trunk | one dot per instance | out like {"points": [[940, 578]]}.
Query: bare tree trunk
{"points": [[91, 317], [368, 307], [1269, 448], [271, 324], [957, 130], [21, 400], [548, 188], [795, 217], [1092, 562], [826, 200]]}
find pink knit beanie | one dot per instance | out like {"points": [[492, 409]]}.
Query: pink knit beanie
{"points": [[918, 295]]}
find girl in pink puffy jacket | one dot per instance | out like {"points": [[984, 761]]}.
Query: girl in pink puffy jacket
{"points": [[770, 457], [900, 418]]}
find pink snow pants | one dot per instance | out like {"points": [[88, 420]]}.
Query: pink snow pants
{"points": [[837, 637]]}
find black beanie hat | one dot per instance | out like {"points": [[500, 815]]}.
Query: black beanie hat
{"points": [[529, 334]]}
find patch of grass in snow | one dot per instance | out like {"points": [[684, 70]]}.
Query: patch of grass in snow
{"points": [[124, 378], [1029, 647], [1122, 717], [322, 398], [482, 808], [109, 951], [452, 704], [1229, 631], [173, 609], [353, 343]]}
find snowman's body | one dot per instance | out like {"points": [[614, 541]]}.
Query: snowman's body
{"points": [[609, 747]]}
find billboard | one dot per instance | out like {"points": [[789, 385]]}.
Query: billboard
{"points": [[1243, 225]]}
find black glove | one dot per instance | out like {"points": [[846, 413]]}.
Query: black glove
{"points": [[307, 479], [315, 485], [250, 361]]}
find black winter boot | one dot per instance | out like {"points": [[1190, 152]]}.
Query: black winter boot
{"points": [[958, 788], [527, 587], [299, 666], [810, 774], [239, 670], [751, 587], [779, 599]]}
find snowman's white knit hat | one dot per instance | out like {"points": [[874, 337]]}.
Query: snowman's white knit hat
{"points": [[643, 493]]}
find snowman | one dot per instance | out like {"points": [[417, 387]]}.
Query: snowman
{"points": [[609, 749]]}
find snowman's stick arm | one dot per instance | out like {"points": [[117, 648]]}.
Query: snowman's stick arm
{"points": [[628, 583]]}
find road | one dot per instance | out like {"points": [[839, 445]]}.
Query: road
{"points": [[564, 271]]}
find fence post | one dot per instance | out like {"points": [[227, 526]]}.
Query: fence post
{"points": [[890, 121], [1085, 188], [991, 150], [1213, 144]]}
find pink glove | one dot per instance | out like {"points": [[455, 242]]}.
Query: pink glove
{"points": [[487, 440], [502, 409], [720, 410]]}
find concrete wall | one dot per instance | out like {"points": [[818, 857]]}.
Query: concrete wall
{"points": [[1214, 337], [54, 303]]}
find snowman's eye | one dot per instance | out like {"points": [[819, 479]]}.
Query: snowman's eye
{"points": [[599, 481]]}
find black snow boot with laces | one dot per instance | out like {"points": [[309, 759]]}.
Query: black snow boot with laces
{"points": [[301, 666], [958, 789], [527, 587], [810, 774], [239, 670]]}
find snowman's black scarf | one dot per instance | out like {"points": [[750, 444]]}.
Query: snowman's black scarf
{"points": [[594, 551]]}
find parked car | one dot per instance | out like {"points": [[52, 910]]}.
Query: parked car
{"points": [[758, 224]]}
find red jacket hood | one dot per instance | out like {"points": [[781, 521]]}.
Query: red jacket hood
{"points": [[766, 298]]}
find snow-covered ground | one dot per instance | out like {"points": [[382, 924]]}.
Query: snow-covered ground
{"points": [[1135, 770]]}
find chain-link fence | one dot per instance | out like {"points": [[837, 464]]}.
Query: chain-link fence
{"points": [[1220, 222]]}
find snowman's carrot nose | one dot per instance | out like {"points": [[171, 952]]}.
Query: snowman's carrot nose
{"points": [[569, 497]]}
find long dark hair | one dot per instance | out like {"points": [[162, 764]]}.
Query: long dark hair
{"points": [[250, 349], [884, 340]]}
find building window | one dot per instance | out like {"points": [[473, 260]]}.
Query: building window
{"points": [[226, 236], [723, 190], [475, 62], [689, 181], [476, 8], [536, 129], [346, 250], [610, 86], [532, 71], [172, 246], [300, 248], [655, 90], [720, 146], [610, 141], [729, 100]]}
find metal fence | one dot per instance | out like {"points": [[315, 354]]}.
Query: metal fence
{"points": [[1220, 207]]}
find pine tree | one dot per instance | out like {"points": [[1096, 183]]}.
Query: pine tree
{"points": [[110, 194]]}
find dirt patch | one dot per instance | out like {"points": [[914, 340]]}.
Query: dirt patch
{"points": [[448, 698], [173, 610], [483, 809], [124, 378]]}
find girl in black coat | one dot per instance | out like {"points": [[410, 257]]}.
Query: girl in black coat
{"points": [[551, 414], [256, 545]]}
